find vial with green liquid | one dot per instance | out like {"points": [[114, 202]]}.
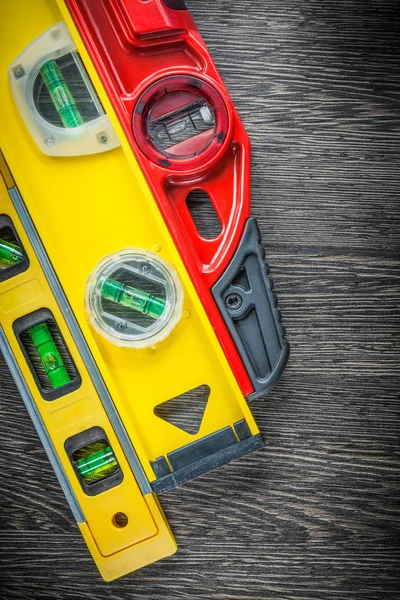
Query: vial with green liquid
{"points": [[49, 355], [131, 297], [98, 463], [146, 293], [60, 94], [10, 254]]}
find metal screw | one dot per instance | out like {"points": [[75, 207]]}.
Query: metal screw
{"points": [[102, 138], [233, 302], [18, 71], [145, 268], [122, 326]]}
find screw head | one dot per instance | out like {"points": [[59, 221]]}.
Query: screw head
{"points": [[122, 326], [233, 301], [18, 71], [102, 137]]}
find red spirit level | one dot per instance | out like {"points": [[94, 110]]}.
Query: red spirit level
{"points": [[187, 136]]}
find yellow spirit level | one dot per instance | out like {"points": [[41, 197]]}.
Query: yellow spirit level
{"points": [[100, 323]]}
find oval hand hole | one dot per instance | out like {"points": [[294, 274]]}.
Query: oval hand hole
{"points": [[203, 214]]}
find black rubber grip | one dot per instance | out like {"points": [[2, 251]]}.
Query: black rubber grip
{"points": [[249, 307]]}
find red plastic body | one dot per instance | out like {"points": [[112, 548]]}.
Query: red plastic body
{"points": [[134, 44]]}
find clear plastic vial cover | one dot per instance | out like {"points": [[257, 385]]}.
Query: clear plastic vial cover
{"points": [[134, 298], [56, 98]]}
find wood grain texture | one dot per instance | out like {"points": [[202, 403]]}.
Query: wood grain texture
{"points": [[316, 515]]}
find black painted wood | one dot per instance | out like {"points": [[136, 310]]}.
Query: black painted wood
{"points": [[316, 514]]}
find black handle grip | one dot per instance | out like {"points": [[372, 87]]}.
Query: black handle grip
{"points": [[249, 307]]}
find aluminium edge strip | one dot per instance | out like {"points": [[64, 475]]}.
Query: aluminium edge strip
{"points": [[40, 427]]}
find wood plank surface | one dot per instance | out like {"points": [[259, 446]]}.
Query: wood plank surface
{"points": [[316, 514]]}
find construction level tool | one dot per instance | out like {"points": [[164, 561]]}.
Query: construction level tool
{"points": [[135, 339]]}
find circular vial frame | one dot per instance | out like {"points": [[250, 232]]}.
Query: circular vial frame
{"points": [[192, 86], [140, 264]]}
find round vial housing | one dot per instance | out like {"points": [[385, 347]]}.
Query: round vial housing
{"points": [[134, 298], [180, 122]]}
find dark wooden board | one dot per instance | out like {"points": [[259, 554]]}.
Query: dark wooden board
{"points": [[316, 514]]}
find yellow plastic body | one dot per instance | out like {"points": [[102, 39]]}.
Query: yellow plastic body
{"points": [[84, 209]]}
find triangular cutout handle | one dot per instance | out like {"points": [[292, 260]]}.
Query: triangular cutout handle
{"points": [[185, 411]]}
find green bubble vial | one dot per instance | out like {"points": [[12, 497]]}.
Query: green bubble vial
{"points": [[10, 254], [60, 94], [49, 355], [97, 464], [133, 298]]}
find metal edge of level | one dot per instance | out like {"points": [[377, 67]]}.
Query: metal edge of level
{"points": [[80, 341], [40, 427]]}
